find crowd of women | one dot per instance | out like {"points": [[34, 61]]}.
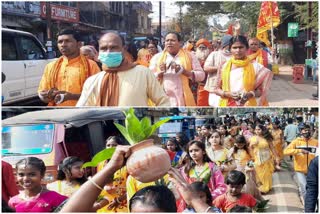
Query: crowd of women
{"points": [[226, 167]]}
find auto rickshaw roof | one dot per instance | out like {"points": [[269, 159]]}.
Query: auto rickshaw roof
{"points": [[75, 117]]}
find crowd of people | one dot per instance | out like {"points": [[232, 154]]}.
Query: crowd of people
{"points": [[226, 167], [200, 73]]}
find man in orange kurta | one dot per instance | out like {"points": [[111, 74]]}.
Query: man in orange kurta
{"points": [[63, 79]]}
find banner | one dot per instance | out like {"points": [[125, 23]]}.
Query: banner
{"points": [[269, 13], [61, 12]]}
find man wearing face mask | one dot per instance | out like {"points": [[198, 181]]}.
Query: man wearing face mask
{"points": [[122, 83], [63, 79], [303, 149]]}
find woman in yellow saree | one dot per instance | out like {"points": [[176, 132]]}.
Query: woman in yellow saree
{"points": [[262, 151]]}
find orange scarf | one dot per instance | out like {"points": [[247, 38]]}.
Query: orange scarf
{"points": [[249, 79], [260, 56], [186, 62], [109, 91], [84, 70]]}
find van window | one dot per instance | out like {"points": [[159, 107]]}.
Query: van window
{"points": [[27, 139], [9, 51], [30, 49]]}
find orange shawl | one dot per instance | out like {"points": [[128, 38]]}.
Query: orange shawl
{"points": [[186, 61], [261, 57], [109, 91], [249, 79]]}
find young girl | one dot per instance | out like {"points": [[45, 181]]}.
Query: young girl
{"points": [[114, 192], [205, 132], [230, 139], [278, 141], [201, 169], [34, 197], [241, 156], [240, 153], [235, 181], [182, 140], [174, 151], [249, 132], [223, 131], [70, 176], [218, 154], [201, 189], [262, 152]]}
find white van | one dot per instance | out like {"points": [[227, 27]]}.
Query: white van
{"points": [[23, 62]]}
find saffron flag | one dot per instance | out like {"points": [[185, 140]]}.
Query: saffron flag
{"points": [[177, 28], [269, 16], [230, 30]]}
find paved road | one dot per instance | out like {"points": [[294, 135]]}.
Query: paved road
{"points": [[284, 195], [284, 92]]}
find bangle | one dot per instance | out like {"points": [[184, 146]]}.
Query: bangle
{"points": [[98, 205], [94, 183], [207, 210], [223, 94], [118, 201], [253, 94]]}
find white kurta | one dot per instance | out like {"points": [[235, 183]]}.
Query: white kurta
{"points": [[136, 86]]}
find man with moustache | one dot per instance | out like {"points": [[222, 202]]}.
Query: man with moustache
{"points": [[63, 79], [122, 82], [255, 53]]}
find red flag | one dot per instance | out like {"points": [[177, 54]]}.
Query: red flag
{"points": [[230, 30], [269, 13]]}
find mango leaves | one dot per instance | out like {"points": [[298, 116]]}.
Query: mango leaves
{"points": [[261, 206], [134, 132], [99, 157]]}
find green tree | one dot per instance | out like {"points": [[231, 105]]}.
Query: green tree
{"points": [[248, 12], [301, 13]]}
